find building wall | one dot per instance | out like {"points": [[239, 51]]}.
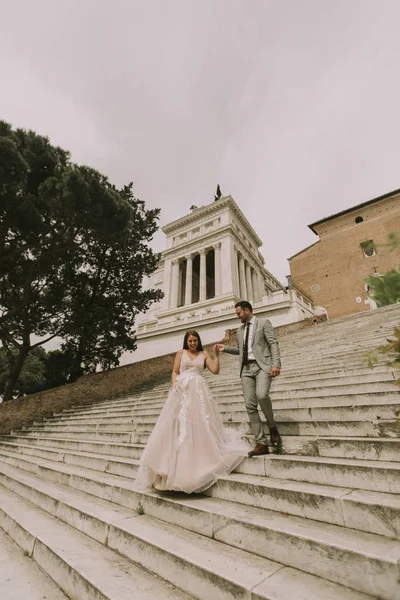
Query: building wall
{"points": [[337, 264]]}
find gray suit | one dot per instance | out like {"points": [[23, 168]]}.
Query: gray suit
{"points": [[256, 377]]}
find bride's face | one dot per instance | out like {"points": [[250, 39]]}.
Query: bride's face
{"points": [[193, 342]]}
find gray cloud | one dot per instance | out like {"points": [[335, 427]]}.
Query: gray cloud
{"points": [[291, 105]]}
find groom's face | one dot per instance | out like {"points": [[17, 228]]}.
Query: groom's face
{"points": [[243, 314]]}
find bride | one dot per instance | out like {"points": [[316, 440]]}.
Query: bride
{"points": [[189, 448]]}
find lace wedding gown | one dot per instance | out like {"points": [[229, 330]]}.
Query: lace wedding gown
{"points": [[189, 448]]}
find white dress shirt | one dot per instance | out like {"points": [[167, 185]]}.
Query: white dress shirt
{"points": [[251, 335]]}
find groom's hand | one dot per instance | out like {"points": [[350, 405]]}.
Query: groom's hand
{"points": [[275, 371]]}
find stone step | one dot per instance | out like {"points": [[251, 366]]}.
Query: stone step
{"points": [[236, 420], [369, 475], [329, 377], [304, 382], [358, 474], [107, 436], [107, 448], [223, 399], [82, 567], [314, 390], [364, 562], [125, 467], [324, 503], [207, 568], [326, 413], [342, 506], [303, 445], [21, 578], [363, 449], [291, 372]]}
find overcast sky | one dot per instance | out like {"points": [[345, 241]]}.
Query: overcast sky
{"points": [[293, 106]]}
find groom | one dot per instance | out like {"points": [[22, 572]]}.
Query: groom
{"points": [[260, 361]]}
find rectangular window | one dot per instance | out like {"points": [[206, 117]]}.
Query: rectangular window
{"points": [[368, 248]]}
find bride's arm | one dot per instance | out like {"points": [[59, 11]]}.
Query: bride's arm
{"points": [[212, 365], [175, 368]]}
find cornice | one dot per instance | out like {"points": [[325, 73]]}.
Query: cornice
{"points": [[194, 246], [214, 208]]}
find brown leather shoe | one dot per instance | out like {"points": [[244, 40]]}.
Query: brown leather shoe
{"points": [[259, 450], [276, 439]]}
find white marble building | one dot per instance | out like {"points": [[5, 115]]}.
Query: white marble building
{"points": [[211, 261]]}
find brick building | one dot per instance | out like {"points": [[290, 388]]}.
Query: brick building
{"points": [[351, 247]]}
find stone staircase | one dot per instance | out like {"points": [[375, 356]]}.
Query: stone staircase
{"points": [[319, 522]]}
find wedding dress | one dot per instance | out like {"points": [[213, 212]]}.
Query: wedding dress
{"points": [[189, 448]]}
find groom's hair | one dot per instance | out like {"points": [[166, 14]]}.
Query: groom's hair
{"points": [[244, 304], [195, 334]]}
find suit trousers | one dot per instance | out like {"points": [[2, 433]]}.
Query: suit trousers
{"points": [[256, 384]]}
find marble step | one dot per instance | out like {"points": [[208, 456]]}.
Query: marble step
{"points": [[21, 578], [106, 448], [358, 474], [314, 390], [358, 448], [330, 504], [369, 475], [357, 509], [83, 568], [223, 399], [118, 465], [244, 539], [305, 382], [371, 449], [235, 420], [325, 413]]}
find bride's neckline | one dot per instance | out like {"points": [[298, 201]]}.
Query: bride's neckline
{"points": [[189, 355]]}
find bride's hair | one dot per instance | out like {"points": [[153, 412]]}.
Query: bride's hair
{"points": [[195, 334]]}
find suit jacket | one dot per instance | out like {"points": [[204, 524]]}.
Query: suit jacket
{"points": [[265, 345]]}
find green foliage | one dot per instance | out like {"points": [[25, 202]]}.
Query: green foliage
{"points": [[391, 350], [41, 371], [32, 375], [386, 290], [73, 254]]}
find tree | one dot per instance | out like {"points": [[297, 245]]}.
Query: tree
{"points": [[65, 235], [32, 377]]}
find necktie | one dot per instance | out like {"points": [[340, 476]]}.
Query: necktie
{"points": [[245, 360]]}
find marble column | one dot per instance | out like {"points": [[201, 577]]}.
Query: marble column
{"points": [[189, 279], [254, 280], [242, 279], [203, 276], [250, 296], [174, 283], [236, 286], [261, 287], [217, 268]]}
